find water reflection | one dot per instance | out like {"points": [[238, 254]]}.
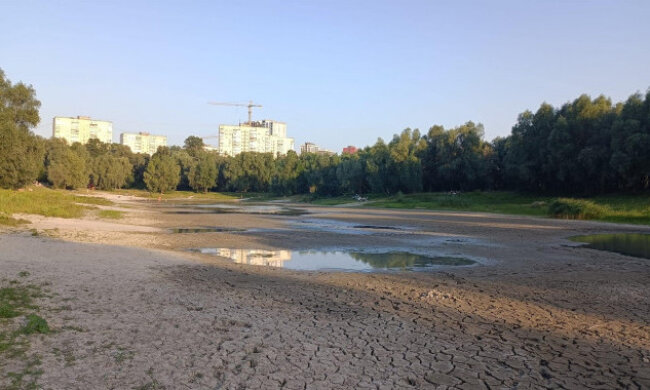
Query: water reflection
{"points": [[407, 260], [250, 209], [336, 260], [631, 244], [251, 256]]}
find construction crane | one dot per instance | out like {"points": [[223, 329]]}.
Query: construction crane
{"points": [[250, 106]]}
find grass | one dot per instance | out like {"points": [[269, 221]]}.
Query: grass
{"points": [[110, 214], [491, 202], [17, 300], [224, 197], [46, 202], [35, 324], [7, 220], [14, 300], [633, 209]]}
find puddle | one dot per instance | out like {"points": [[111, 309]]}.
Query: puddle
{"points": [[337, 260], [630, 244], [185, 212], [205, 230], [251, 209], [342, 227], [377, 227]]}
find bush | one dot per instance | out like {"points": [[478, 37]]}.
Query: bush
{"points": [[575, 209]]}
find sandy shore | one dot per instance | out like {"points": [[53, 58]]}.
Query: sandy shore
{"points": [[133, 309]]}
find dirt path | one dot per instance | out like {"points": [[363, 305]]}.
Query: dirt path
{"points": [[540, 313]]}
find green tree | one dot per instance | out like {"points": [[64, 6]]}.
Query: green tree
{"points": [[185, 161], [162, 173], [203, 175], [194, 145], [250, 171], [287, 170], [377, 167], [109, 172], [66, 166], [21, 153], [404, 166]]}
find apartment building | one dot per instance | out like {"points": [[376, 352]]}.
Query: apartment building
{"points": [[82, 129], [143, 142], [265, 136], [310, 147]]}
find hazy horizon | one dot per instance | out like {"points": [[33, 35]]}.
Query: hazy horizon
{"points": [[337, 73]]}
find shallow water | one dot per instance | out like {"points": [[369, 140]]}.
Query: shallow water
{"points": [[631, 244], [251, 209], [337, 260], [205, 230]]}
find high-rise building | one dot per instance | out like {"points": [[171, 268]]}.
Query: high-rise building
{"points": [[265, 136], [81, 129], [143, 142], [309, 147]]}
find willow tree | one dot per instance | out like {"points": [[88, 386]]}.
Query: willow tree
{"points": [[21, 152], [163, 173]]}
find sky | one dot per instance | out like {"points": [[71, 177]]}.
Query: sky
{"points": [[337, 72]]}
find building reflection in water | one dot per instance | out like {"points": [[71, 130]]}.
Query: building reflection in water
{"points": [[255, 256]]}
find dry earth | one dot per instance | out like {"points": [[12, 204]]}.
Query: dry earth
{"points": [[133, 310]]}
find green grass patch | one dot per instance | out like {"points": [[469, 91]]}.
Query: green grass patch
{"points": [[94, 200], [224, 197], [633, 209], [27, 377], [46, 202], [621, 209], [110, 214], [490, 202], [333, 201], [7, 220], [16, 301], [569, 208], [35, 324]]}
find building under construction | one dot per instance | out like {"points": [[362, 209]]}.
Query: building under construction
{"points": [[266, 136]]}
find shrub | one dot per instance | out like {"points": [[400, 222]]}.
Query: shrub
{"points": [[575, 209]]}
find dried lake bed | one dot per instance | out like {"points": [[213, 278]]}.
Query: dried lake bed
{"points": [[135, 303]]}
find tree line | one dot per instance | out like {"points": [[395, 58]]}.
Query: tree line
{"points": [[586, 146]]}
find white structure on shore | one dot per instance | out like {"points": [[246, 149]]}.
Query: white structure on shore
{"points": [[265, 136], [82, 129], [143, 142]]}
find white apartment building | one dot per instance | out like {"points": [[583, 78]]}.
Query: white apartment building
{"points": [[143, 142], [82, 129], [265, 136]]}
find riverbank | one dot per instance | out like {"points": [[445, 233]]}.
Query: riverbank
{"points": [[132, 308]]}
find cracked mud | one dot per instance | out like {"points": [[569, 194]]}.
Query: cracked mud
{"points": [[543, 314]]}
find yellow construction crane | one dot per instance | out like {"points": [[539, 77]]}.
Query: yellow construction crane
{"points": [[250, 106]]}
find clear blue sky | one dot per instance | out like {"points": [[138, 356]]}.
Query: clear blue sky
{"points": [[338, 72]]}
